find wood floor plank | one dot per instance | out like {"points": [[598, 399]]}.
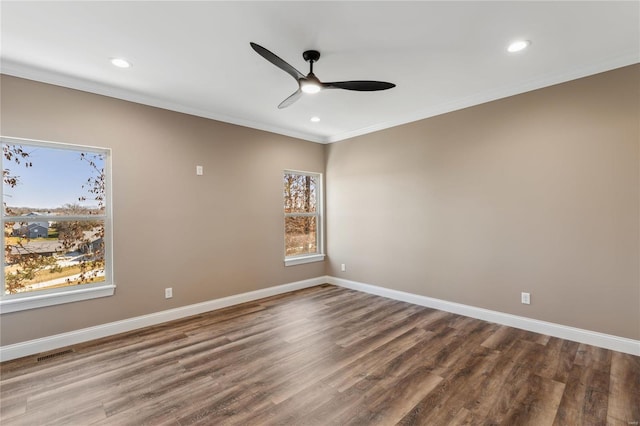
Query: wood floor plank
{"points": [[160, 405], [557, 359], [367, 367], [518, 381], [383, 407], [492, 387], [593, 357], [341, 357], [378, 369], [323, 356], [443, 407], [585, 400], [12, 406], [624, 391], [540, 404]]}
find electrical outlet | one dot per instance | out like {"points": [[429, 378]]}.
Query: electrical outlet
{"points": [[343, 267], [199, 170], [525, 298], [168, 293]]}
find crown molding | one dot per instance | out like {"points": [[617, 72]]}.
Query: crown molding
{"points": [[45, 76]]}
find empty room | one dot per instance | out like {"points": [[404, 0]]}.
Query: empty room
{"points": [[320, 213]]}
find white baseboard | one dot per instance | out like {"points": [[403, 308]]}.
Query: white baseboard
{"points": [[49, 343], [31, 347], [607, 341]]}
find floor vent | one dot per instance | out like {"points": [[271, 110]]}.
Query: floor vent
{"points": [[54, 355]]}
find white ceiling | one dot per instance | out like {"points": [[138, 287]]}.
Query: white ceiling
{"points": [[195, 57]]}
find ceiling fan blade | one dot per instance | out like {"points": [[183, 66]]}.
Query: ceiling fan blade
{"points": [[278, 62], [291, 99], [359, 85]]}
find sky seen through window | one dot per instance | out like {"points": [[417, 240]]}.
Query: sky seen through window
{"points": [[55, 179]]}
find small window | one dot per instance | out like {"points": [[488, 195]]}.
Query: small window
{"points": [[57, 219], [302, 217]]}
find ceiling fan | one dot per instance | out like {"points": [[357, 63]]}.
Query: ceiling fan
{"points": [[310, 83]]}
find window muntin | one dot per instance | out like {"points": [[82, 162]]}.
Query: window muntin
{"points": [[302, 214], [56, 220]]}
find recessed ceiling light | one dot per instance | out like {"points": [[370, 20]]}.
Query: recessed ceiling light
{"points": [[518, 45], [315, 119], [120, 62]]}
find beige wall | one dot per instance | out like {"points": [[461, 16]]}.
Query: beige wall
{"points": [[537, 193], [206, 236]]}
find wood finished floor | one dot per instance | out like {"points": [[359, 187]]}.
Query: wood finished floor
{"points": [[324, 356]]}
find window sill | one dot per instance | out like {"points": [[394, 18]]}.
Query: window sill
{"points": [[50, 299], [299, 260]]}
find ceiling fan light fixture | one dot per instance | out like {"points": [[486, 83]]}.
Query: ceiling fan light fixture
{"points": [[518, 46], [309, 87]]}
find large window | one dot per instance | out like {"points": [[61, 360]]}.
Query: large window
{"points": [[57, 224], [302, 217]]}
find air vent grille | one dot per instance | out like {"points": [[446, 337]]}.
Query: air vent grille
{"points": [[54, 355]]}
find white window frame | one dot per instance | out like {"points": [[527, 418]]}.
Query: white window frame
{"points": [[319, 215], [41, 298]]}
